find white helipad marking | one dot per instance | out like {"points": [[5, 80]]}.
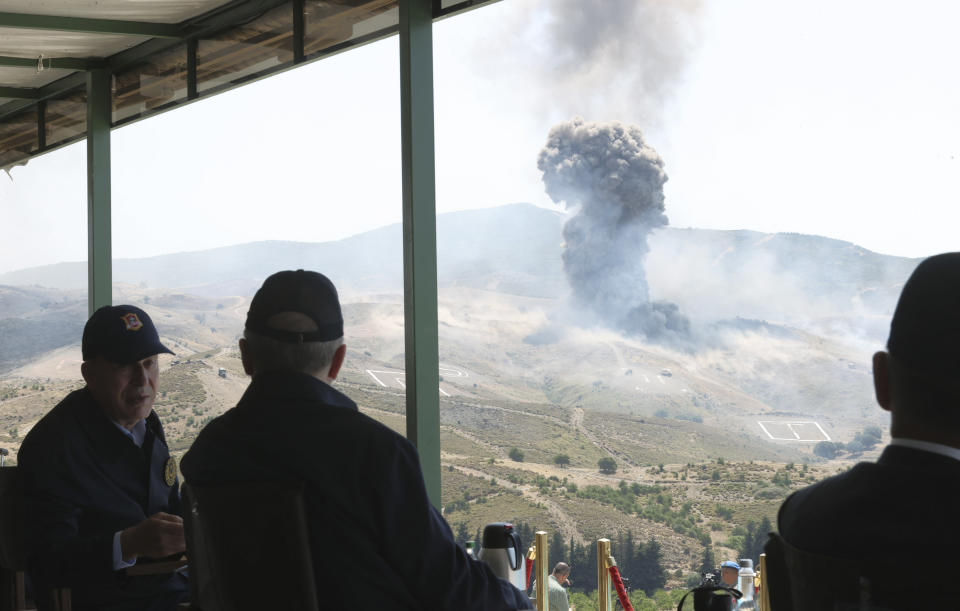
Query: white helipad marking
{"points": [[791, 427], [400, 378], [403, 385], [372, 375], [453, 372]]}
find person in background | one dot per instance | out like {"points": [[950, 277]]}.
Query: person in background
{"points": [[730, 574], [100, 488], [556, 593], [377, 541]]}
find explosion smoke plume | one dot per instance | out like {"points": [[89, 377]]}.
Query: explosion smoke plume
{"points": [[608, 173]]}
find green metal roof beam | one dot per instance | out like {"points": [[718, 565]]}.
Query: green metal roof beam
{"points": [[92, 26], [19, 93], [69, 83], [55, 63]]}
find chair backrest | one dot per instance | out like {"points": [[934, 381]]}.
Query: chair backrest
{"points": [[12, 551], [248, 547], [803, 581]]}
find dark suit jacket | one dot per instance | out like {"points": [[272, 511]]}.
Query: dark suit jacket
{"points": [[83, 481], [906, 505], [377, 541]]}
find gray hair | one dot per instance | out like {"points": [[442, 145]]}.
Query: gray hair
{"points": [[268, 354]]}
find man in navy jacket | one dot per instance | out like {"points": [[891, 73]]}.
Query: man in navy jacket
{"points": [[100, 486], [905, 505], [377, 541]]}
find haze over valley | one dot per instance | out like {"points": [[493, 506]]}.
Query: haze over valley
{"points": [[775, 359]]}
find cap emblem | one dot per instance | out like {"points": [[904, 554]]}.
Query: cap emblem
{"points": [[132, 321]]}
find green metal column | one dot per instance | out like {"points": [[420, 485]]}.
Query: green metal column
{"points": [[99, 266], [420, 238]]}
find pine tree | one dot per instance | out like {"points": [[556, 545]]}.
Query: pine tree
{"points": [[558, 550], [760, 539], [749, 540], [583, 563], [708, 562], [650, 574], [463, 534]]}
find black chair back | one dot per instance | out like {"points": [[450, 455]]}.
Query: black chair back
{"points": [[803, 581], [12, 554], [248, 547]]}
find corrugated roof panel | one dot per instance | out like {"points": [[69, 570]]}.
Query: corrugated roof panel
{"points": [[16, 42], [246, 40], [157, 11]]}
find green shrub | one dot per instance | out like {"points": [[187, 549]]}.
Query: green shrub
{"points": [[607, 465]]}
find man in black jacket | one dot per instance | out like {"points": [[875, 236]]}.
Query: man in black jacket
{"points": [[100, 486], [377, 542], [906, 504]]}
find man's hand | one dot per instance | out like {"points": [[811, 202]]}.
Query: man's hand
{"points": [[159, 535]]}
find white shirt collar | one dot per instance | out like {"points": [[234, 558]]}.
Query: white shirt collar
{"points": [[927, 446], [136, 434]]}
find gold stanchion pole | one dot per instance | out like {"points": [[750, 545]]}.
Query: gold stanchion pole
{"points": [[764, 588], [540, 542], [603, 578]]}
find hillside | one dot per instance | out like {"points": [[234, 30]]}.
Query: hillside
{"points": [[518, 242], [824, 285], [784, 326], [516, 249]]}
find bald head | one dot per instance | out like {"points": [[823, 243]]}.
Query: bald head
{"points": [[916, 379]]}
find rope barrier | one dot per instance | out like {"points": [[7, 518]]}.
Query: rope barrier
{"points": [[618, 584], [531, 556]]}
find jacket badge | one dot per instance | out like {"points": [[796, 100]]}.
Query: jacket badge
{"points": [[170, 471]]}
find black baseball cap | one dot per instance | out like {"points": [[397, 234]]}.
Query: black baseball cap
{"points": [[308, 293], [121, 334], [925, 330]]}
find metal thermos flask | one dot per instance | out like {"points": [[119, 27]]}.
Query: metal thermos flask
{"points": [[501, 549], [746, 585]]}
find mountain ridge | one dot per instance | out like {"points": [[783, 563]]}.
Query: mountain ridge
{"points": [[514, 242]]}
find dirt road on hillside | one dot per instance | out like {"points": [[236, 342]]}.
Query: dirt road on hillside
{"points": [[565, 523], [576, 421]]}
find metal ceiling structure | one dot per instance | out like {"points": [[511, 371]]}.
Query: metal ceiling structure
{"points": [[75, 69]]}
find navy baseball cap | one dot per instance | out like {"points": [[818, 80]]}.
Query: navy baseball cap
{"points": [[308, 293], [925, 330], [121, 334]]}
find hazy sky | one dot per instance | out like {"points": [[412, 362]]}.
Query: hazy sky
{"points": [[833, 117]]}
